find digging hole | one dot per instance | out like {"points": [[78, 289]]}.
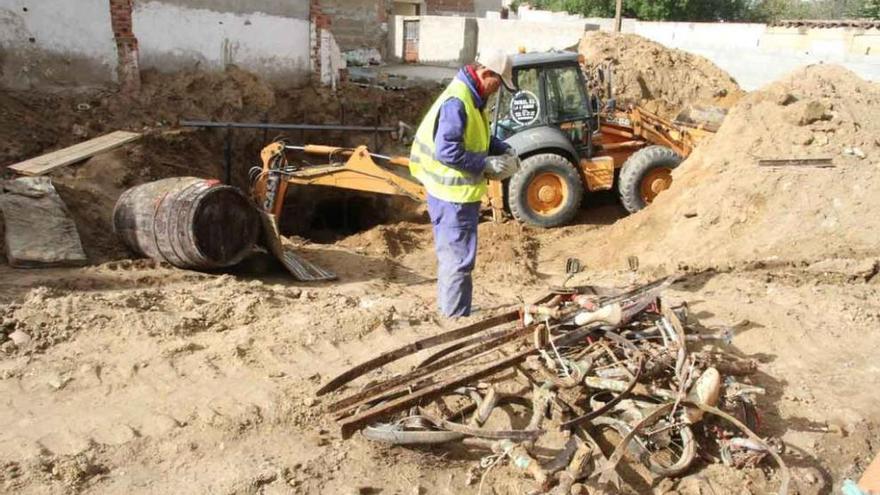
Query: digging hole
{"points": [[325, 215]]}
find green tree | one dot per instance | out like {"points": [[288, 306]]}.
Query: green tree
{"points": [[870, 9], [774, 10], [652, 10], [717, 10]]}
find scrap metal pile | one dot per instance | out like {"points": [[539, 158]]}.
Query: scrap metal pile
{"points": [[544, 386]]}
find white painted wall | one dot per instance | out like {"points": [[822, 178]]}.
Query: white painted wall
{"points": [[442, 38], [534, 36], [755, 54], [527, 13], [173, 37], [63, 42]]}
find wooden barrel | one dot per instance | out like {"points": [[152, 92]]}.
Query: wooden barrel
{"points": [[188, 222]]}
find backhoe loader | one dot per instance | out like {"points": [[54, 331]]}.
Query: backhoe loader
{"points": [[567, 144]]}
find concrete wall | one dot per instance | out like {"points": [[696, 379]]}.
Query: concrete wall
{"points": [[176, 35], [56, 42], [453, 41], [71, 42], [473, 8], [482, 7], [450, 7], [508, 35], [358, 23], [445, 40], [755, 54]]}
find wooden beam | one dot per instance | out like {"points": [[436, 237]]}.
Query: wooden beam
{"points": [[618, 12], [72, 154]]}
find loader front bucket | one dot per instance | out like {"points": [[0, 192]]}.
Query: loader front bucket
{"points": [[701, 117], [302, 269]]}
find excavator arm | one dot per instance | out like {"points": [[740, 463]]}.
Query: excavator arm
{"points": [[355, 169]]}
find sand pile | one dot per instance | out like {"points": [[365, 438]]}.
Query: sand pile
{"points": [[505, 251], [662, 79], [724, 208], [231, 94], [391, 240], [33, 122]]}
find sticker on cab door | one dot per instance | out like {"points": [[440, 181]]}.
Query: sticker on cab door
{"points": [[524, 107]]}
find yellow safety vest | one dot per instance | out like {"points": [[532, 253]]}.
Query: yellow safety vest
{"points": [[441, 181]]}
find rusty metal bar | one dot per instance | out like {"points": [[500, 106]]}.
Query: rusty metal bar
{"points": [[414, 347], [352, 424], [285, 127], [611, 403], [419, 345], [804, 162], [402, 382]]}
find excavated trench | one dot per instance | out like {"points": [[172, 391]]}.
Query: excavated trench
{"points": [[90, 189], [325, 215]]}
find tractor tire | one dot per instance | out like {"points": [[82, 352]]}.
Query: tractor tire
{"points": [[546, 191], [644, 175]]}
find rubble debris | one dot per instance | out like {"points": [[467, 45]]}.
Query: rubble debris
{"points": [[362, 56], [20, 338], [39, 230], [581, 361]]}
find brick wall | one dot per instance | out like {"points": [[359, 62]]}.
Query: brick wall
{"points": [[447, 7], [354, 23], [126, 45]]}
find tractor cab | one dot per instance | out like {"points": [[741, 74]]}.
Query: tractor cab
{"points": [[551, 100], [549, 119], [552, 122]]}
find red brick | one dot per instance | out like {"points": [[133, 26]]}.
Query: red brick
{"points": [[126, 45]]}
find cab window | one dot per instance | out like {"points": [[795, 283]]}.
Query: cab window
{"points": [[565, 94], [526, 110]]}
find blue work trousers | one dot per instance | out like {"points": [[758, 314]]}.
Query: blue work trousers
{"points": [[455, 241]]}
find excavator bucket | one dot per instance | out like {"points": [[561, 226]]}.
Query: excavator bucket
{"points": [[302, 269], [700, 117]]}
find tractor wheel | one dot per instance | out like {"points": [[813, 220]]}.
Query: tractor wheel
{"points": [[546, 191], [644, 175]]}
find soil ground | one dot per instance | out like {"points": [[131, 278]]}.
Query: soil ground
{"points": [[143, 378]]}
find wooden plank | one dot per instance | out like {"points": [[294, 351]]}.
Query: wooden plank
{"points": [[72, 154]]}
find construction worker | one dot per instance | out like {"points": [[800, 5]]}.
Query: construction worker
{"points": [[453, 156]]}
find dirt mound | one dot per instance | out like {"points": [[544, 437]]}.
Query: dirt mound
{"points": [[662, 79], [507, 251], [34, 123], [393, 240], [723, 208], [231, 94]]}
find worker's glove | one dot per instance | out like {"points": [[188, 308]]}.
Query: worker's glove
{"points": [[501, 167], [514, 159]]}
